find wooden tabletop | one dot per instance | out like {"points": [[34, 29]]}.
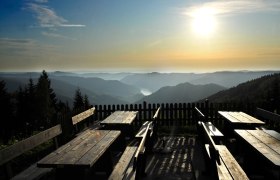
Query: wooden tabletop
{"points": [[266, 142], [82, 151], [120, 117], [240, 117]]}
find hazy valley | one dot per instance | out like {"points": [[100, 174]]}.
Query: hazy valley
{"points": [[129, 88]]}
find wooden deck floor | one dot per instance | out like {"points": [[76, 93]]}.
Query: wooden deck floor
{"points": [[171, 158]]}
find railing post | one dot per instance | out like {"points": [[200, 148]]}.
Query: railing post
{"points": [[144, 110], [184, 114], [149, 111], [190, 115]]}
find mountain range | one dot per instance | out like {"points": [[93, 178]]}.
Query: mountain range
{"points": [[266, 88], [129, 88]]}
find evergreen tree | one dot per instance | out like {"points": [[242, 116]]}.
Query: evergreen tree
{"points": [[86, 102], [23, 124], [46, 102], [6, 111], [78, 104], [31, 102]]}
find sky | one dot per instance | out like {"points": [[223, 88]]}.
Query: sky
{"points": [[139, 35]]}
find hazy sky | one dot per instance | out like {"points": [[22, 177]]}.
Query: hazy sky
{"points": [[152, 35]]}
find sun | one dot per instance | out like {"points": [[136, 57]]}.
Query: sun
{"points": [[204, 22]]}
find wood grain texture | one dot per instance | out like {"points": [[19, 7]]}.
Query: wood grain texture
{"points": [[21, 147], [82, 151], [231, 164], [262, 142], [82, 116], [120, 118], [121, 170]]}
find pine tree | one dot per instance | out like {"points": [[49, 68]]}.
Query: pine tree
{"points": [[86, 102], [46, 102], [6, 111], [78, 104]]}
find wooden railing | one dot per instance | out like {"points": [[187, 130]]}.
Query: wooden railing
{"points": [[174, 114]]}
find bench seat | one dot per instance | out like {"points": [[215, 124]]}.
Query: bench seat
{"points": [[220, 162], [214, 132], [124, 167], [228, 167], [32, 173], [142, 129]]}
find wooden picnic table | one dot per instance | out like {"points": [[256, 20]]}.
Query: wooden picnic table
{"points": [[266, 143], [82, 152], [239, 120], [120, 120]]}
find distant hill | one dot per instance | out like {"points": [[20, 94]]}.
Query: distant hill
{"points": [[98, 91], [154, 81], [182, 93], [126, 93], [266, 88]]}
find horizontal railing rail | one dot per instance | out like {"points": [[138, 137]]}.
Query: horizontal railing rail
{"points": [[174, 114]]}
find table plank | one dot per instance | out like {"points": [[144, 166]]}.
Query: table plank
{"points": [[252, 119], [79, 149], [71, 153], [240, 118], [94, 153], [262, 148], [266, 139], [229, 117], [120, 117], [130, 117], [47, 161], [272, 133]]}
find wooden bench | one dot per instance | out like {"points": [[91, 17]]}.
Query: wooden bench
{"points": [[17, 149], [153, 127], [271, 117], [214, 132], [81, 117], [132, 163], [219, 161]]}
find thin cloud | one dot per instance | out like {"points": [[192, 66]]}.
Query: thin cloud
{"points": [[41, 1], [24, 47], [47, 17], [232, 7], [55, 35]]}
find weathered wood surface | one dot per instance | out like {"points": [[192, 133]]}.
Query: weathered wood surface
{"points": [[33, 172], [226, 166], [120, 118], [240, 117], [232, 166], [264, 143], [212, 130], [21, 147], [200, 114], [82, 151], [142, 131], [156, 115], [142, 144], [80, 117], [122, 170]]}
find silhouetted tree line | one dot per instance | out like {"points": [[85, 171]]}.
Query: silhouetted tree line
{"points": [[34, 108]]}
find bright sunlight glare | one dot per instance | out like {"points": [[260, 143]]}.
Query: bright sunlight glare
{"points": [[204, 21]]}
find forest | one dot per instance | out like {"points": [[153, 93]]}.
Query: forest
{"points": [[34, 108]]}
